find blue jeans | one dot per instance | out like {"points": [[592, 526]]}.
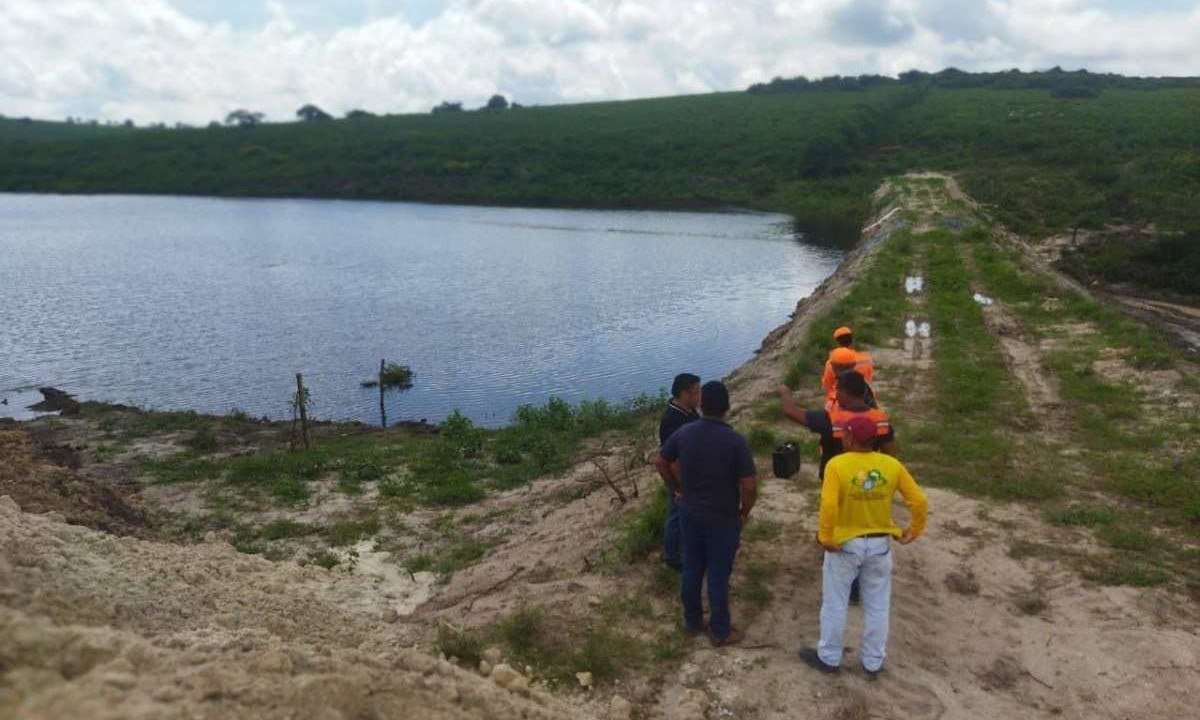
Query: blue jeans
{"points": [[707, 550], [672, 552]]}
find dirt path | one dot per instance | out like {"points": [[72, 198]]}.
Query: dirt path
{"points": [[976, 632]]}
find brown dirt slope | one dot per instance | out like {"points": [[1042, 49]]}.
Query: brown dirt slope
{"points": [[40, 487]]}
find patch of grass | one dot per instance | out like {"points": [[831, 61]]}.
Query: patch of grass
{"points": [[762, 439], [183, 468], [283, 529], [420, 563], [325, 559], [1020, 549], [670, 645], [755, 586], [761, 530], [464, 645], [974, 394], [349, 532], [1123, 571], [559, 653], [641, 531], [1080, 515], [1130, 539], [202, 440], [460, 554]]}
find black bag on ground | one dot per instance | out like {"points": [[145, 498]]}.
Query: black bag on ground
{"points": [[786, 460]]}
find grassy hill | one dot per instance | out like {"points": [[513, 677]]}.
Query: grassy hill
{"points": [[1121, 150]]}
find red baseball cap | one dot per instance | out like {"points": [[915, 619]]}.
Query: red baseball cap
{"points": [[861, 428]]}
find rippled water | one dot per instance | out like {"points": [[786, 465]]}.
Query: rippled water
{"points": [[214, 304]]}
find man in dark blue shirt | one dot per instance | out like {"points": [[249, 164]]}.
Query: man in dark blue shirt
{"points": [[681, 410], [711, 467]]}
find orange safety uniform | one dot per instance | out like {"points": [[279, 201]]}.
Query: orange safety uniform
{"points": [[864, 364], [838, 417]]}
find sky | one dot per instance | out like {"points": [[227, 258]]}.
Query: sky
{"points": [[196, 60]]}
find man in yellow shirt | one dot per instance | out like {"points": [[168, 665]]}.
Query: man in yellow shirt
{"points": [[856, 529]]}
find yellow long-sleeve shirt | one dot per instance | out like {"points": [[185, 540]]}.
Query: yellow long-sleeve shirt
{"points": [[856, 497]]}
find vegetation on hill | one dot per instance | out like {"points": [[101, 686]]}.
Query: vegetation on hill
{"points": [[1050, 151]]}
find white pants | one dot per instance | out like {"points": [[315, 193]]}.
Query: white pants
{"points": [[870, 560]]}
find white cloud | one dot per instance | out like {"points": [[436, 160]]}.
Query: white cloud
{"points": [[147, 60]]}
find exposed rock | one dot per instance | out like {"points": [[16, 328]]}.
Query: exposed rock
{"points": [[585, 680], [504, 676], [493, 655], [390, 615], [55, 400]]}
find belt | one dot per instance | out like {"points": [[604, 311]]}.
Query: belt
{"points": [[873, 535]]}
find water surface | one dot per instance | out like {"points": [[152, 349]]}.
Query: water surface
{"points": [[213, 304]]}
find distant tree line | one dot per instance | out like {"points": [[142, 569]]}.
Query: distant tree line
{"points": [[1060, 83]]}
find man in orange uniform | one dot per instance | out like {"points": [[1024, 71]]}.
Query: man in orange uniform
{"points": [[856, 529], [851, 398], [842, 358]]}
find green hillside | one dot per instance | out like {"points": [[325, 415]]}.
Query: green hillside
{"points": [[1110, 150]]}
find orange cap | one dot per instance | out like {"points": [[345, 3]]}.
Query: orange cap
{"points": [[843, 356], [843, 330]]}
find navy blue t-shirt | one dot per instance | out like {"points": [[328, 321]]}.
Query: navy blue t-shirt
{"points": [[712, 457], [674, 417]]}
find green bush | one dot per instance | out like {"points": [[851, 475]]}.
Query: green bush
{"points": [[202, 440], [461, 644], [642, 530], [762, 440]]}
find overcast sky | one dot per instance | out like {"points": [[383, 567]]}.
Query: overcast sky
{"points": [[195, 60]]}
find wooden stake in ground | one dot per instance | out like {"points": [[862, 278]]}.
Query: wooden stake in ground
{"points": [[382, 408], [300, 405]]}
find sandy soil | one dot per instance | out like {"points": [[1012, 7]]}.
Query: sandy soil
{"points": [[99, 627]]}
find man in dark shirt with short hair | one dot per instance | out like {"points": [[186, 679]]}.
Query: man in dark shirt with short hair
{"points": [[711, 466], [681, 410]]}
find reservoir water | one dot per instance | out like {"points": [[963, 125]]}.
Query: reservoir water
{"points": [[214, 304]]}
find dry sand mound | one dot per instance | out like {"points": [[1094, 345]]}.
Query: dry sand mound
{"points": [[102, 627]]}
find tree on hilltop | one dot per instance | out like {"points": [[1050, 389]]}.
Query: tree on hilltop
{"points": [[244, 118], [447, 107], [312, 113], [496, 102]]}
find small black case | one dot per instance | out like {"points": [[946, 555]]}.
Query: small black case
{"points": [[786, 460]]}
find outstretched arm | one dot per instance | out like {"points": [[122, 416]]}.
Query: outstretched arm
{"points": [[788, 405]]}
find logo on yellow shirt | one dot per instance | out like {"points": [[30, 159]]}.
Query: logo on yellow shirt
{"points": [[868, 480]]}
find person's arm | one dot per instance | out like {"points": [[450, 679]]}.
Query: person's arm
{"points": [[669, 471], [787, 404], [830, 509], [748, 491], [747, 476], [918, 506]]}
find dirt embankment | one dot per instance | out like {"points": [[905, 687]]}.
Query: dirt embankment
{"points": [[41, 487], [100, 626], [103, 627]]}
